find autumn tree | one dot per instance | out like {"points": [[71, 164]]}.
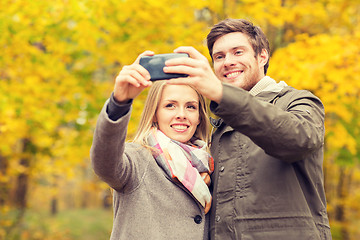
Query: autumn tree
{"points": [[59, 59]]}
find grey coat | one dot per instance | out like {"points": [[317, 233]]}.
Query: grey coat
{"points": [[268, 178], [147, 204]]}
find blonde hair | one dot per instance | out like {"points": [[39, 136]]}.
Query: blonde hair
{"points": [[148, 115]]}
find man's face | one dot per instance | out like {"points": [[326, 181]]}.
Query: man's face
{"points": [[235, 62]]}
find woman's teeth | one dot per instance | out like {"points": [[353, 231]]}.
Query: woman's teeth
{"points": [[179, 127]]}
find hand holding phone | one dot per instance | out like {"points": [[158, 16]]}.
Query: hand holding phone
{"points": [[155, 64]]}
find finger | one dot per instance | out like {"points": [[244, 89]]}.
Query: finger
{"points": [[146, 53], [182, 61], [187, 66], [181, 69], [127, 87], [141, 74], [121, 80], [130, 74], [193, 53], [140, 68], [138, 72]]}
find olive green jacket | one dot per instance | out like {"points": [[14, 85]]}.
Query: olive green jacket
{"points": [[268, 178]]}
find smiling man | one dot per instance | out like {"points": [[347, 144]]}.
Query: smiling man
{"points": [[235, 61], [268, 142]]}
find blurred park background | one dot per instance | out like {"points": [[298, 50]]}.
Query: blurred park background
{"points": [[58, 62]]}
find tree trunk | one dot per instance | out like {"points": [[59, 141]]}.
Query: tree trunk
{"points": [[342, 193], [22, 182], [4, 186], [54, 206]]}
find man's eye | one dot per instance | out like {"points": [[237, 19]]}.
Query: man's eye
{"points": [[239, 52]]}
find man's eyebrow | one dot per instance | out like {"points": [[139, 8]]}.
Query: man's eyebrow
{"points": [[234, 48], [215, 53]]}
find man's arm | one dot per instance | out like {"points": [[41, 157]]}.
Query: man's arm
{"points": [[287, 135]]}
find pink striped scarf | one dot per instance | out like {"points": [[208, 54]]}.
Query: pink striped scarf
{"points": [[184, 162]]}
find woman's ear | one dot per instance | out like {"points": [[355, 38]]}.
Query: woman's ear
{"points": [[154, 122]]}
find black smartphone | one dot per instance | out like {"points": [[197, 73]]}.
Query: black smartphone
{"points": [[155, 64]]}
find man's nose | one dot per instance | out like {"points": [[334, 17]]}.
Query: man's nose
{"points": [[229, 60]]}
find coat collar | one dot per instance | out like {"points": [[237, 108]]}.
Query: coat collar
{"points": [[265, 90]]}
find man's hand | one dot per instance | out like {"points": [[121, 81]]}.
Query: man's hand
{"points": [[199, 71]]}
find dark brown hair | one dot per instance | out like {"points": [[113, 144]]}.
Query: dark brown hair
{"points": [[257, 38]]}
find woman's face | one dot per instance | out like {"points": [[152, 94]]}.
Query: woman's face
{"points": [[177, 114]]}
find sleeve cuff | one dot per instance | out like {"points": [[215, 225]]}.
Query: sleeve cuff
{"points": [[116, 110]]}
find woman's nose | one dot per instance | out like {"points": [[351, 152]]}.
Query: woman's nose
{"points": [[181, 113]]}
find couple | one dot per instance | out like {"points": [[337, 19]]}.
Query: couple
{"points": [[264, 160]]}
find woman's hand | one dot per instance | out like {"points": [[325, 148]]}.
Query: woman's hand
{"points": [[131, 80]]}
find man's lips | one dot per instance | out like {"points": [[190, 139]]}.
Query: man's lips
{"points": [[233, 74]]}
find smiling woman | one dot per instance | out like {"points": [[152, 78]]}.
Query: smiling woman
{"points": [[177, 115], [162, 176]]}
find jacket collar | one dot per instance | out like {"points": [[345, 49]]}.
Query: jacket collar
{"points": [[266, 90], [267, 84], [216, 122]]}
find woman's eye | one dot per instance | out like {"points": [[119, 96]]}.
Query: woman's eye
{"points": [[192, 107], [239, 52], [169, 105]]}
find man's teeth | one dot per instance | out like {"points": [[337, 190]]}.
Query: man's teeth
{"points": [[230, 75], [179, 127]]}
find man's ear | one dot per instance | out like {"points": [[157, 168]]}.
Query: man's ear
{"points": [[263, 57]]}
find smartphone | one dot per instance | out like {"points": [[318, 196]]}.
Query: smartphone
{"points": [[155, 64]]}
